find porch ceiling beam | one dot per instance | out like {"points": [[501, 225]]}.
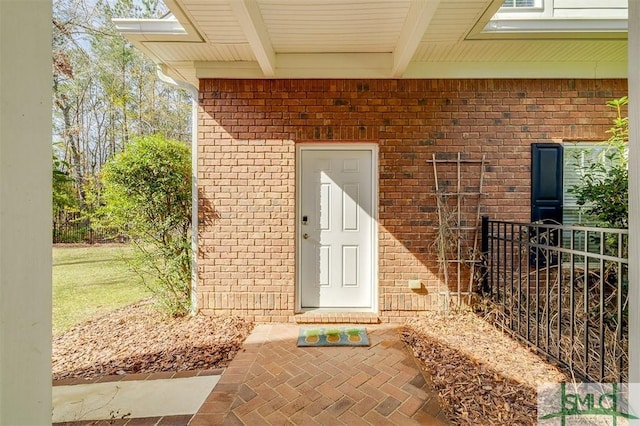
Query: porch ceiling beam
{"points": [[255, 30], [418, 18]]}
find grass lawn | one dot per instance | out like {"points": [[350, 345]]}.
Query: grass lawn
{"points": [[89, 281]]}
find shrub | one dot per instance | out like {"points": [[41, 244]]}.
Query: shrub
{"points": [[604, 189], [147, 192], [63, 193]]}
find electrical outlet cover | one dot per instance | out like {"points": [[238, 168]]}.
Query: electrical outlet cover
{"points": [[414, 284]]}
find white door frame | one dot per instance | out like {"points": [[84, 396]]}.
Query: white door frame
{"points": [[333, 146]]}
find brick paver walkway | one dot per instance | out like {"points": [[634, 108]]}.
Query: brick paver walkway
{"points": [[271, 381]]}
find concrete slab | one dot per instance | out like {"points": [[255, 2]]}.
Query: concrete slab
{"points": [[131, 399]]}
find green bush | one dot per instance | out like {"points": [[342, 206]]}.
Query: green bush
{"points": [[147, 193], [63, 192], [604, 189]]}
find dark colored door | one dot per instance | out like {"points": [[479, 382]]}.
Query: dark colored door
{"points": [[546, 182]]}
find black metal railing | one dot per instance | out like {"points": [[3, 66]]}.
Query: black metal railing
{"points": [[72, 227], [562, 289]]}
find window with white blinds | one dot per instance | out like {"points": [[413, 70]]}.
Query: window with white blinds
{"points": [[577, 156]]}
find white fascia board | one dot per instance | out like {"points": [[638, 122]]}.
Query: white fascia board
{"points": [[305, 65], [155, 30], [335, 65], [149, 26], [517, 70], [556, 26], [380, 66], [235, 69]]}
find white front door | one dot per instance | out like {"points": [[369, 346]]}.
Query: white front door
{"points": [[336, 228]]}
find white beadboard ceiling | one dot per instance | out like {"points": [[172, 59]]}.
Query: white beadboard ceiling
{"points": [[363, 39], [538, 50], [338, 26]]}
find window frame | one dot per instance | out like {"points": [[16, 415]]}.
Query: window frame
{"points": [[537, 4], [541, 9], [594, 150]]}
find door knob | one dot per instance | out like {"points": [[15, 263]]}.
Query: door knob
{"points": [[305, 236]]}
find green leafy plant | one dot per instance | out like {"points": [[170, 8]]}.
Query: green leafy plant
{"points": [[64, 197], [147, 193], [604, 188]]}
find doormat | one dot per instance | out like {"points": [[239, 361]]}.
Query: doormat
{"points": [[333, 336]]}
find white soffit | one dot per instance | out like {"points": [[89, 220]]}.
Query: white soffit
{"points": [[362, 39], [509, 51], [334, 26], [215, 20]]}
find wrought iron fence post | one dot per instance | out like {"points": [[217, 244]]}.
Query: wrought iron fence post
{"points": [[484, 247]]}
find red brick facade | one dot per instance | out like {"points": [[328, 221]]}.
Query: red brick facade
{"points": [[248, 131]]}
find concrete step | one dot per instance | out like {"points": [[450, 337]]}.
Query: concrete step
{"points": [[336, 318]]}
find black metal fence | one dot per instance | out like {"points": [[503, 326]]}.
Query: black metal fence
{"points": [[562, 289], [71, 227]]}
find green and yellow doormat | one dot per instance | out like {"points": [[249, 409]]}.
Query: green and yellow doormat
{"points": [[333, 336]]}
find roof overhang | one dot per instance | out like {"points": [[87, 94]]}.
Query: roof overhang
{"points": [[373, 39]]}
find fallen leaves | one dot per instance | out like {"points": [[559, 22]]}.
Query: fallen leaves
{"points": [[139, 339], [483, 377]]}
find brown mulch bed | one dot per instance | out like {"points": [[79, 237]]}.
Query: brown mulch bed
{"points": [[483, 376], [140, 339]]}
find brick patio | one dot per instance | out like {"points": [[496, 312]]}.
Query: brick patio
{"points": [[272, 381]]}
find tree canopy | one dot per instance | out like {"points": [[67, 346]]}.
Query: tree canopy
{"points": [[120, 156], [104, 91]]}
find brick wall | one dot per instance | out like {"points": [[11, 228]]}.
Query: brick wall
{"points": [[248, 130]]}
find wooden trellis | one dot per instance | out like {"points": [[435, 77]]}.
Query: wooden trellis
{"points": [[452, 201]]}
